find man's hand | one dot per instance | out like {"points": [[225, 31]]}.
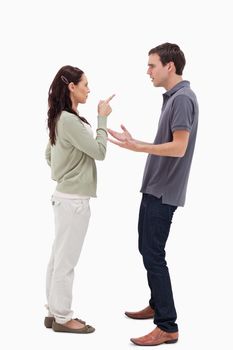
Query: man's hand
{"points": [[124, 139], [121, 136]]}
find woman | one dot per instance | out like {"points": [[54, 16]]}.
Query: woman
{"points": [[71, 153]]}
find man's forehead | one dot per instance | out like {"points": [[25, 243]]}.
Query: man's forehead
{"points": [[154, 58]]}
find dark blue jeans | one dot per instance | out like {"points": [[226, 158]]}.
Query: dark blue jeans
{"points": [[154, 225]]}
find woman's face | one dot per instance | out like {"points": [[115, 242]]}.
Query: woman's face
{"points": [[79, 92]]}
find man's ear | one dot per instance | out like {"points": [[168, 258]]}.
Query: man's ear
{"points": [[171, 66]]}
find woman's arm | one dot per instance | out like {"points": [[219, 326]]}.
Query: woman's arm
{"points": [[48, 153]]}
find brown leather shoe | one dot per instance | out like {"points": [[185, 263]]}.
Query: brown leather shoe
{"points": [[144, 314], [156, 337]]}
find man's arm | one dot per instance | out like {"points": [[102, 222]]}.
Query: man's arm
{"points": [[176, 148]]}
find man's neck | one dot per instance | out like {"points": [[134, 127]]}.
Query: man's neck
{"points": [[173, 81]]}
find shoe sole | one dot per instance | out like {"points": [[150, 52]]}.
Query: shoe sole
{"points": [[165, 342], [139, 318], [171, 341]]}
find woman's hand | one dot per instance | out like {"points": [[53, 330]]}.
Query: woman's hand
{"points": [[104, 109]]}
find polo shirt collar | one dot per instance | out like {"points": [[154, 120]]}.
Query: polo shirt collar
{"points": [[181, 84]]}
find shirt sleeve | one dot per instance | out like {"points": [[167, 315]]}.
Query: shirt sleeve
{"points": [[48, 153], [182, 113], [77, 134]]}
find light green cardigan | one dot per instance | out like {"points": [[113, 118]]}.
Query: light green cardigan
{"points": [[72, 158]]}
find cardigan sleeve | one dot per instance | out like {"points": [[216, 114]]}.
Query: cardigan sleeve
{"points": [[48, 153], [77, 134]]}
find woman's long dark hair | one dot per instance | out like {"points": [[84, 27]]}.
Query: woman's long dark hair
{"points": [[59, 97]]}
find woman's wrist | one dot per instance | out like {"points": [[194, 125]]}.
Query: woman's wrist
{"points": [[102, 122]]}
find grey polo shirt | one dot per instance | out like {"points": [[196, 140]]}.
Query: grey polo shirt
{"points": [[167, 177]]}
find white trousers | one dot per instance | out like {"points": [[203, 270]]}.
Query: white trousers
{"points": [[71, 223]]}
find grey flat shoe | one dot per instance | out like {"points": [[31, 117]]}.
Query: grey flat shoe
{"points": [[48, 321], [57, 327]]}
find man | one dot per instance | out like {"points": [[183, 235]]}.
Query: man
{"points": [[164, 184]]}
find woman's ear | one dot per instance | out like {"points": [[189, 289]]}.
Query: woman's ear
{"points": [[71, 87]]}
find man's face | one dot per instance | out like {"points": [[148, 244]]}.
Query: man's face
{"points": [[158, 73]]}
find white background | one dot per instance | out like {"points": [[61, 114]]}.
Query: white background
{"points": [[110, 41]]}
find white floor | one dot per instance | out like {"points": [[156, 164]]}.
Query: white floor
{"points": [[110, 279]]}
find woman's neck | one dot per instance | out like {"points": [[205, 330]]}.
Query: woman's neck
{"points": [[75, 107]]}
